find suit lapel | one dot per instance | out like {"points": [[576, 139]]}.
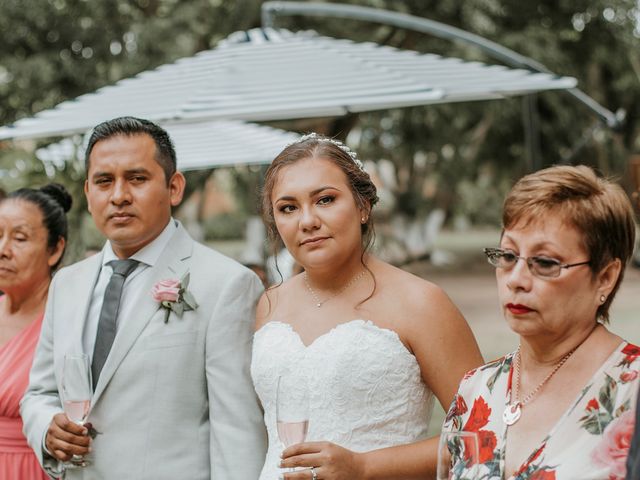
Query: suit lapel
{"points": [[170, 264], [82, 290]]}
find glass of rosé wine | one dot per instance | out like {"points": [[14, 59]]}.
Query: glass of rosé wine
{"points": [[76, 394], [292, 410]]}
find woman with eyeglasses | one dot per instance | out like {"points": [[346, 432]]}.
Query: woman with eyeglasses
{"points": [[562, 405]]}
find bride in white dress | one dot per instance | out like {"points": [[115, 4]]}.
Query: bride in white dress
{"points": [[374, 343]]}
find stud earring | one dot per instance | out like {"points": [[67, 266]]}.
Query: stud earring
{"points": [[603, 298], [363, 220]]}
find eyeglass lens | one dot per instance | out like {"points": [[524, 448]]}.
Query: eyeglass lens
{"points": [[544, 267]]}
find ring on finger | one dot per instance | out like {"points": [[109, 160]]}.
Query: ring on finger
{"points": [[314, 475]]}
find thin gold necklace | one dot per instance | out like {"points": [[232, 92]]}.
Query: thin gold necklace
{"points": [[513, 410], [315, 296]]}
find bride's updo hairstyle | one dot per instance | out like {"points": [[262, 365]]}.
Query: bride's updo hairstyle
{"points": [[315, 146]]}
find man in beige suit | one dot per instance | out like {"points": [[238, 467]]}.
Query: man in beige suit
{"points": [[173, 398]]}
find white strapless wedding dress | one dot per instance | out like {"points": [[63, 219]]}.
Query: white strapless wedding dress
{"points": [[365, 387]]}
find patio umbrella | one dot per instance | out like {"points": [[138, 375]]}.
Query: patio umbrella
{"points": [[200, 145], [267, 74]]}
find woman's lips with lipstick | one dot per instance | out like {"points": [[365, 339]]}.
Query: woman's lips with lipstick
{"points": [[518, 309]]}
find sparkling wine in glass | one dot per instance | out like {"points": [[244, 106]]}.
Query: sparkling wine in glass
{"points": [[291, 433], [292, 410], [76, 393], [458, 456]]}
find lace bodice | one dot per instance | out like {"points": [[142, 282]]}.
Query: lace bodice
{"points": [[365, 387]]}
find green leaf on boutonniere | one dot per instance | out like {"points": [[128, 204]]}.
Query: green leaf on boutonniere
{"points": [[185, 301], [178, 308], [189, 300]]}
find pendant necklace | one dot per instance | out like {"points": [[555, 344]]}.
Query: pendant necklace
{"points": [[513, 410], [315, 296]]}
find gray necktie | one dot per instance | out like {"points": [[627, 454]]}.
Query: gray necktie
{"points": [[109, 314]]}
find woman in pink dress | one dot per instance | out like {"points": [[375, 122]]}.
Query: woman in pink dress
{"points": [[33, 233]]}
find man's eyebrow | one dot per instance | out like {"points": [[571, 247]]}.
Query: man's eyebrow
{"points": [[132, 171]]}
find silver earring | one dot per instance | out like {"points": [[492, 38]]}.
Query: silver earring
{"points": [[603, 298], [363, 220]]}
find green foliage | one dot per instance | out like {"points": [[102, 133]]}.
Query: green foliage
{"points": [[52, 50], [461, 157]]}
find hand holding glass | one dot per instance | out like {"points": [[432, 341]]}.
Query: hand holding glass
{"points": [[292, 410], [76, 393], [458, 456]]}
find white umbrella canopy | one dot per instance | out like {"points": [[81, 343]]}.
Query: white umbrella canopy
{"points": [[201, 145], [266, 74]]}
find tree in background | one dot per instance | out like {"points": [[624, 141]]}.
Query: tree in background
{"points": [[459, 157]]}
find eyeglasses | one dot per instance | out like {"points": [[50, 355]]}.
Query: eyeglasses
{"points": [[541, 267]]}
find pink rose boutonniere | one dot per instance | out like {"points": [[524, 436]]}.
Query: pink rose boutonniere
{"points": [[174, 296]]}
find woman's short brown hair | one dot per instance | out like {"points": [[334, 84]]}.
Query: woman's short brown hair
{"points": [[598, 207]]}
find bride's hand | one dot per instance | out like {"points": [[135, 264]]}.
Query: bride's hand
{"points": [[329, 462]]}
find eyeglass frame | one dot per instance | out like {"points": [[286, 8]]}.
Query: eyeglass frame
{"points": [[530, 261]]}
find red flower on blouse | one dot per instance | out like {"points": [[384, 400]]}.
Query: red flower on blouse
{"points": [[461, 405], [479, 415], [593, 405], [469, 374], [487, 444], [628, 376], [534, 456], [458, 407], [632, 352]]}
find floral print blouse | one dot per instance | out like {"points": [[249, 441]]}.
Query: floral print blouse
{"points": [[589, 442]]}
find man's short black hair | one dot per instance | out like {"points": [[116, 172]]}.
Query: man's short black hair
{"points": [[129, 126]]}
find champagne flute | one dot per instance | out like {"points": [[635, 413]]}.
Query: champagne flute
{"points": [[292, 410], [458, 455], [76, 393]]}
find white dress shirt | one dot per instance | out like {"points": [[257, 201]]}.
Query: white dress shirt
{"points": [[148, 256]]}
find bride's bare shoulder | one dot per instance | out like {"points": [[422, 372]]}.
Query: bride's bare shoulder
{"points": [[413, 295], [397, 280]]}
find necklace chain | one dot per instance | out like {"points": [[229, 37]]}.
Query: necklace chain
{"points": [[316, 297], [513, 409], [533, 392]]}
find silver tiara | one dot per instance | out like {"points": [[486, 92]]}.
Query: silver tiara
{"points": [[337, 143]]}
